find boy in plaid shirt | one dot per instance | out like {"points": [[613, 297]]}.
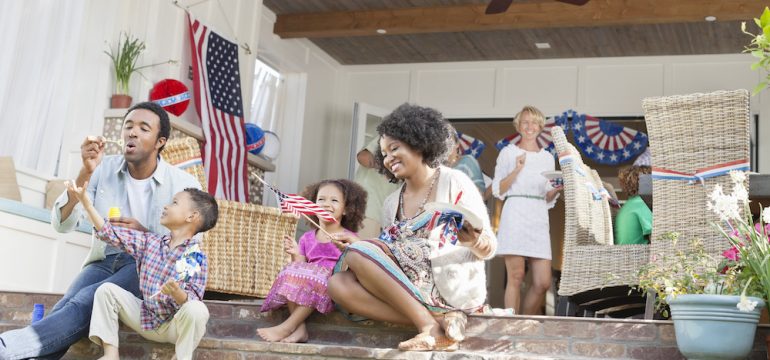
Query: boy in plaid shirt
{"points": [[172, 276]]}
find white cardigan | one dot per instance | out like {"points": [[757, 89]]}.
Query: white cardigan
{"points": [[458, 273]]}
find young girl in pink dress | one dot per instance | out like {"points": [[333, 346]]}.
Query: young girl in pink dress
{"points": [[301, 285]]}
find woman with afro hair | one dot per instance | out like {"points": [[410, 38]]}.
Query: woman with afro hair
{"points": [[410, 275]]}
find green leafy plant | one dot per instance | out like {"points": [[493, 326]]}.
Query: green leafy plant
{"points": [[690, 271], [760, 47], [124, 57]]}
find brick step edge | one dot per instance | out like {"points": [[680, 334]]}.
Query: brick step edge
{"points": [[223, 349], [132, 346]]}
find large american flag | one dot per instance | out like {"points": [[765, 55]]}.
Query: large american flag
{"points": [[217, 94]]}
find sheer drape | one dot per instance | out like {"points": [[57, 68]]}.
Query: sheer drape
{"points": [[40, 48], [265, 97]]}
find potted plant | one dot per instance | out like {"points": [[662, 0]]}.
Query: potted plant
{"points": [[712, 316], [750, 250], [124, 57], [760, 47]]}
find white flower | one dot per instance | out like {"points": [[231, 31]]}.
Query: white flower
{"points": [[740, 193], [726, 206], [766, 215], [670, 290], [738, 177], [746, 305]]}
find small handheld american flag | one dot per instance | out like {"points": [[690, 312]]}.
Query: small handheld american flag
{"points": [[297, 205]]}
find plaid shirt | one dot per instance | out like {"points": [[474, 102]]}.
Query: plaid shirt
{"points": [[155, 262]]}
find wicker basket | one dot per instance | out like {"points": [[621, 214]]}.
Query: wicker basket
{"points": [[690, 132], [185, 153], [245, 249], [590, 256]]}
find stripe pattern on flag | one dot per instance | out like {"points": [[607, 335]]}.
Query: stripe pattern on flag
{"points": [[297, 205], [217, 95]]}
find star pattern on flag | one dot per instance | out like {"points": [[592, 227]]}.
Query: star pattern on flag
{"points": [[222, 66]]}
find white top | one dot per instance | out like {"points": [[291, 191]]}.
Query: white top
{"points": [[138, 199], [524, 228], [458, 274]]}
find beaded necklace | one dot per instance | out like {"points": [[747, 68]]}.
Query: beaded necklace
{"points": [[424, 201]]}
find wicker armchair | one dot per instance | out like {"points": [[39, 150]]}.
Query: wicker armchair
{"points": [[245, 249], [595, 272], [687, 133]]}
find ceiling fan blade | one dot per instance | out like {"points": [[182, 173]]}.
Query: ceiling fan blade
{"points": [[498, 6], [573, 2]]}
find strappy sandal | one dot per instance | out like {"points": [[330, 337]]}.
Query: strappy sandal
{"points": [[426, 342], [454, 325]]}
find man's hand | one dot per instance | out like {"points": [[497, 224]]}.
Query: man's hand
{"points": [[92, 152], [128, 222]]}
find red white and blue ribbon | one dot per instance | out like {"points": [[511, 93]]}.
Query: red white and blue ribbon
{"points": [[470, 145], [189, 163], [544, 140], [175, 99], [605, 142], [701, 174]]}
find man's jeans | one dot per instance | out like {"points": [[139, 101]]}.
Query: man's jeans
{"points": [[70, 318]]}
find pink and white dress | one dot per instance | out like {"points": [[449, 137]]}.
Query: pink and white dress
{"points": [[305, 283]]}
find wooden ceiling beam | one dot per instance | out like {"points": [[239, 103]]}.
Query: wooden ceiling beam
{"points": [[521, 15]]}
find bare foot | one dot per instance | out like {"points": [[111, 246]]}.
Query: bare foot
{"points": [[275, 333], [298, 336]]}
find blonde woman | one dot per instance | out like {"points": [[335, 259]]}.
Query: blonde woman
{"points": [[524, 229]]}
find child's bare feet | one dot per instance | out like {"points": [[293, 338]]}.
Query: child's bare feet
{"points": [[298, 336], [275, 333]]}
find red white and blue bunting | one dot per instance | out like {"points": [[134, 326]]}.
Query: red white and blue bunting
{"points": [[605, 142], [600, 140], [470, 145]]}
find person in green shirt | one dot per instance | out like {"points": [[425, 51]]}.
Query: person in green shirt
{"points": [[633, 223]]}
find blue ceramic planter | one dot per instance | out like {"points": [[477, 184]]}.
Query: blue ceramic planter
{"points": [[712, 327]]}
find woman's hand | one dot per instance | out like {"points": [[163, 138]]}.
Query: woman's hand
{"points": [[520, 160], [344, 239], [552, 193], [290, 247], [468, 235]]}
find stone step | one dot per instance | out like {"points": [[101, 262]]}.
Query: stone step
{"points": [[231, 334]]}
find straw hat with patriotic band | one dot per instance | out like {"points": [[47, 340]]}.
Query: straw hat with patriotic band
{"points": [[544, 139], [605, 142], [470, 145]]}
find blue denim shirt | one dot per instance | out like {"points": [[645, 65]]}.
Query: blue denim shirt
{"points": [[107, 188]]}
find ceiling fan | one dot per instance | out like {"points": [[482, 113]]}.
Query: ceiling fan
{"points": [[500, 6]]}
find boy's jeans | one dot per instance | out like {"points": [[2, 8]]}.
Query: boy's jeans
{"points": [[69, 320], [113, 305]]}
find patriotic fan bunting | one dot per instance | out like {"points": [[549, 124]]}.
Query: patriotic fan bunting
{"points": [[470, 145], [544, 139], [605, 142]]}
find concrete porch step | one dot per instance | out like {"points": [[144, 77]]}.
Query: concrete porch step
{"points": [[232, 326]]}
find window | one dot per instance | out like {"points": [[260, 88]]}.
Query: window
{"points": [[266, 96]]}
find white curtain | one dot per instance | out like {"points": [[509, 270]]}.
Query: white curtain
{"points": [[40, 47], [265, 96]]}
